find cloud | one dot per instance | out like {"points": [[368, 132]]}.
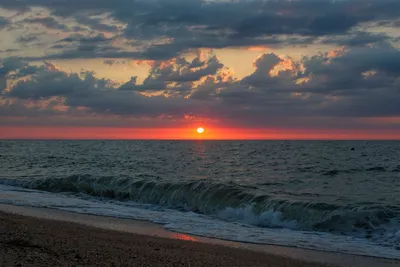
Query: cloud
{"points": [[27, 39], [344, 74], [10, 50], [7, 66], [261, 76], [112, 62], [158, 51], [187, 25], [3, 22], [358, 39], [179, 72], [348, 82], [359, 82], [48, 22], [389, 23], [97, 95], [81, 39], [96, 24], [187, 74]]}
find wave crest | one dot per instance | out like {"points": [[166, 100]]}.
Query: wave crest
{"points": [[233, 202]]}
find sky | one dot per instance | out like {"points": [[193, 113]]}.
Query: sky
{"points": [[158, 69]]}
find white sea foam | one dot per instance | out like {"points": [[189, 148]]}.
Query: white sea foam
{"points": [[269, 218], [202, 225]]}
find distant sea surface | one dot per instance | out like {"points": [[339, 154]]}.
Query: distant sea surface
{"points": [[339, 196]]}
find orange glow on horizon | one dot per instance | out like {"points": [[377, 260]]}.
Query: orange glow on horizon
{"points": [[85, 133]]}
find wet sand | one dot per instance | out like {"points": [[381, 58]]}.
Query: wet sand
{"points": [[29, 241]]}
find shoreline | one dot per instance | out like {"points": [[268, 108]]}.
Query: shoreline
{"points": [[91, 225], [29, 241]]}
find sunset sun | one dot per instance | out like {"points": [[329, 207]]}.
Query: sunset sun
{"points": [[200, 130]]}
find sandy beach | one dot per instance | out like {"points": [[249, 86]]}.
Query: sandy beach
{"points": [[47, 237], [28, 241]]}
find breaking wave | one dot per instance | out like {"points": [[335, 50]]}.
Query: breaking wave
{"points": [[236, 203]]}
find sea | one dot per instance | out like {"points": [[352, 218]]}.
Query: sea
{"points": [[338, 196]]}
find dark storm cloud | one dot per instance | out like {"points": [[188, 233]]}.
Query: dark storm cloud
{"points": [[6, 66], [328, 24], [362, 82], [383, 57], [131, 104], [218, 24], [357, 39], [52, 83], [258, 18], [9, 64], [98, 95], [348, 74], [320, 16]]}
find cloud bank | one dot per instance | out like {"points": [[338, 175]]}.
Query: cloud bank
{"points": [[358, 79]]}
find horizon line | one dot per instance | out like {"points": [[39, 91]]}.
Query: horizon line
{"points": [[190, 139]]}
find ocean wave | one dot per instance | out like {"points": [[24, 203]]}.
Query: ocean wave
{"points": [[234, 202], [205, 225]]}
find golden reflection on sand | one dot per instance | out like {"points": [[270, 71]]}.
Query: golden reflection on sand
{"points": [[184, 237]]}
